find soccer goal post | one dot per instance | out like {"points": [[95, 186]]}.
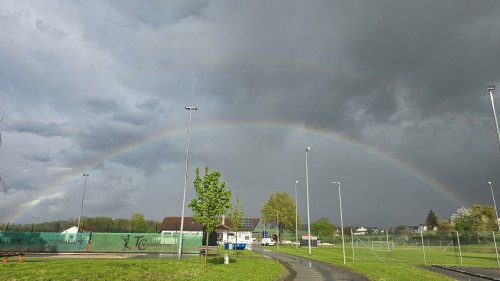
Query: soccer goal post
{"points": [[382, 245]]}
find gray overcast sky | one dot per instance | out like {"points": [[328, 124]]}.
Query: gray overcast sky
{"points": [[390, 95]]}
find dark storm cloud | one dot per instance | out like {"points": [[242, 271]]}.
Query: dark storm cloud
{"points": [[43, 129], [101, 106], [435, 56], [42, 157], [159, 12], [143, 113], [79, 80], [440, 54]]}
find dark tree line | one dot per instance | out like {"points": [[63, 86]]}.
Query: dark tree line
{"points": [[136, 223]]}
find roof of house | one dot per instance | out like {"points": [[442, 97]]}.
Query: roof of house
{"points": [[190, 224], [72, 229], [248, 224], [174, 223]]}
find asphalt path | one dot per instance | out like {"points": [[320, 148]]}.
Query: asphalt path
{"points": [[299, 268], [462, 273]]}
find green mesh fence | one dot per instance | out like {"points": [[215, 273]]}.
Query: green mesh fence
{"points": [[43, 242], [144, 242]]}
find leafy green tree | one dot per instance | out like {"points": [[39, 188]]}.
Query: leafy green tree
{"points": [[348, 229], [322, 228], [98, 223], [138, 222], [431, 220], [121, 225], [211, 201], [444, 228], [486, 216], [475, 219], [279, 207], [464, 220], [235, 217]]}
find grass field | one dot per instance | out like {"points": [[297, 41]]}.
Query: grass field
{"points": [[244, 267], [403, 264], [375, 265]]}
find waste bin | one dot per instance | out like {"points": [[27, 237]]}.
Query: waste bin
{"points": [[231, 246], [239, 246]]}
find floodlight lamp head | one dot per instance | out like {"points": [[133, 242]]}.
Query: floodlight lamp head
{"points": [[191, 107], [308, 148], [86, 175], [489, 182], [296, 181], [491, 88], [336, 182]]}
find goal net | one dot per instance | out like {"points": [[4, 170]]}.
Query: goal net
{"points": [[382, 245]]}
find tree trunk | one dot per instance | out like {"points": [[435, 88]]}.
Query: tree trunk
{"points": [[206, 252], [236, 245]]}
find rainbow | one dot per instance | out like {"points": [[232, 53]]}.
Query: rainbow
{"points": [[59, 182]]}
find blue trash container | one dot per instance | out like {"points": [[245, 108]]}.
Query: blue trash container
{"points": [[240, 246]]}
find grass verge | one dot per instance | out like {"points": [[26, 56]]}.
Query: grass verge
{"points": [[365, 265], [248, 266]]}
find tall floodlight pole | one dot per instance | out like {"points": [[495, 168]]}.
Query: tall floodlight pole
{"points": [[494, 204], [491, 89], [83, 198], [341, 221], [307, 194], [296, 221], [189, 109]]}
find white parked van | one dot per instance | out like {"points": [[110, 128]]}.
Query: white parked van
{"points": [[268, 242]]}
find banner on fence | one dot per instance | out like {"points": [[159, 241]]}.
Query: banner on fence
{"points": [[144, 242], [42, 242]]}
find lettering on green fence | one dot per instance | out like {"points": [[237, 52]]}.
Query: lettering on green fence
{"points": [[11, 241], [142, 243], [61, 241], [101, 242]]}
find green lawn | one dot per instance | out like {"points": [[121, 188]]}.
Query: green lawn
{"points": [[244, 267], [403, 262], [403, 265]]}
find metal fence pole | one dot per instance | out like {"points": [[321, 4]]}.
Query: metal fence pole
{"points": [[423, 246], [352, 241], [459, 249], [496, 249], [388, 247]]}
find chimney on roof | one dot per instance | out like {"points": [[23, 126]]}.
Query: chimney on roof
{"points": [[223, 220]]}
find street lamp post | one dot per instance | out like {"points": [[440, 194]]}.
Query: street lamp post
{"points": [[341, 221], [296, 221], [494, 204], [307, 194], [190, 109], [490, 89], [83, 198]]}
